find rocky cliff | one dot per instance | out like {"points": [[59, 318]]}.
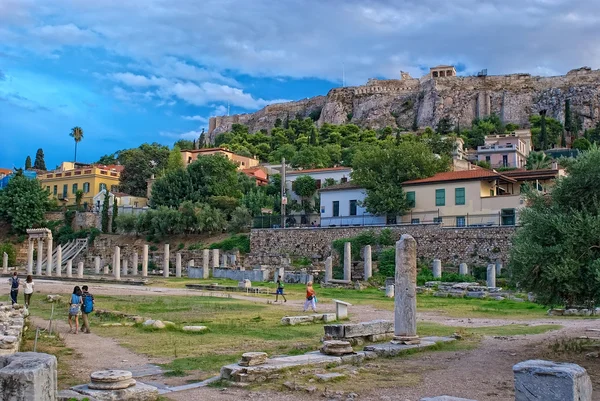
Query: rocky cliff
{"points": [[405, 102]]}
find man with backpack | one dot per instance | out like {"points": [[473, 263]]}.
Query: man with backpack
{"points": [[14, 287], [87, 308]]}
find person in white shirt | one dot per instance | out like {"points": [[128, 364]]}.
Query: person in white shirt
{"points": [[28, 290]]}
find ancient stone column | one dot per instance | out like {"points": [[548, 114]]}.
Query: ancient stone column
{"points": [[491, 275], [117, 265], [368, 262], [178, 265], [328, 269], [498, 268], [80, 270], [134, 267], [389, 290], [40, 256], [405, 288], [70, 268], [105, 268], [145, 261], [97, 265], [437, 268], [215, 258], [125, 267], [166, 261], [347, 261], [30, 257], [49, 258], [5, 263], [463, 269], [58, 260]]}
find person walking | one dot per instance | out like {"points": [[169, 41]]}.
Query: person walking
{"points": [[87, 308], [14, 287], [311, 299], [28, 290], [279, 290], [75, 308]]}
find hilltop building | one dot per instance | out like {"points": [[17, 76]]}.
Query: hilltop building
{"points": [[243, 162]]}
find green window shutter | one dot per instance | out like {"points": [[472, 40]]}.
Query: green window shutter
{"points": [[353, 208], [336, 208], [410, 197], [459, 196], [440, 197]]}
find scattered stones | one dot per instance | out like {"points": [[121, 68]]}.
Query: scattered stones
{"points": [[551, 381], [157, 324], [336, 347], [53, 298], [197, 329], [325, 377], [12, 320], [253, 358], [308, 319]]}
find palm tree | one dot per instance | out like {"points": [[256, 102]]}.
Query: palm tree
{"points": [[538, 161], [77, 135]]}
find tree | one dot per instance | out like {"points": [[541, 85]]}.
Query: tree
{"points": [[107, 160], [311, 157], [555, 253], [569, 122], [305, 187], [105, 206], [28, 163], [184, 144], [381, 170], [538, 161], [444, 126], [39, 163], [77, 135], [553, 131], [78, 198], [23, 203], [139, 165], [175, 161], [581, 144], [241, 220], [115, 214]]}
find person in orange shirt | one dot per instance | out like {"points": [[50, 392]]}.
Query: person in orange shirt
{"points": [[311, 299]]}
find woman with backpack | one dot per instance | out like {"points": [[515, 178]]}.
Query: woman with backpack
{"points": [[28, 290], [311, 299], [14, 287], [75, 308]]}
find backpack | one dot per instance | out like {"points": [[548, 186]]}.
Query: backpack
{"points": [[15, 283], [88, 303]]}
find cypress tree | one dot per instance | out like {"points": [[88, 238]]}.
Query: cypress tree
{"points": [[39, 163], [115, 215], [104, 222], [28, 163]]}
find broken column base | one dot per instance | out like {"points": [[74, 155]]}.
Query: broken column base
{"points": [[28, 376], [407, 340], [139, 392]]}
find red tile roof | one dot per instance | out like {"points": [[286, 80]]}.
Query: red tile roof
{"points": [[318, 170], [6, 171], [466, 175]]}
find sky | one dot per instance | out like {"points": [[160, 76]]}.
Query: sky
{"points": [[137, 71]]}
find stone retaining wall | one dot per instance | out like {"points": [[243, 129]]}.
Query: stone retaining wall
{"points": [[12, 320], [256, 275], [474, 246]]}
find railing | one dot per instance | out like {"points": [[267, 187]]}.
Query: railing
{"points": [[496, 147]]}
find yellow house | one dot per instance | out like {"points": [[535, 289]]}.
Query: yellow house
{"points": [[64, 182], [243, 162], [475, 197]]}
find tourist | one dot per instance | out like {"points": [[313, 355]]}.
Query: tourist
{"points": [[75, 308], [279, 290], [88, 307], [28, 290], [311, 299], [14, 287]]}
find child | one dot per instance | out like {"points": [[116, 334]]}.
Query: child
{"points": [[310, 298], [28, 290], [279, 290], [75, 308]]}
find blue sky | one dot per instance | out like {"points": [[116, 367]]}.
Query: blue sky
{"points": [[155, 70]]}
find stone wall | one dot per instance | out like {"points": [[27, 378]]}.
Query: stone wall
{"points": [[256, 275], [475, 246], [85, 220]]}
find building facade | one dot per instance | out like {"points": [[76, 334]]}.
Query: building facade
{"points": [[507, 150], [243, 162], [341, 206], [64, 182]]}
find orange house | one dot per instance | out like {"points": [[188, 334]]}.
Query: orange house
{"points": [[259, 174]]}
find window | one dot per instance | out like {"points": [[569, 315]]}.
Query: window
{"points": [[459, 196], [344, 179], [65, 191], [415, 221], [336, 208], [410, 197], [505, 160], [460, 221], [55, 190], [492, 192], [48, 188], [86, 187], [353, 207], [487, 159], [508, 217], [437, 220], [102, 187], [74, 188], [318, 182], [114, 188], [440, 197]]}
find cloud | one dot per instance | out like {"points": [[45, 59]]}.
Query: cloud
{"points": [[2, 76], [195, 118], [22, 102], [190, 135], [68, 34], [138, 81]]}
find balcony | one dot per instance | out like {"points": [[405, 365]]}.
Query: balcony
{"points": [[496, 148]]}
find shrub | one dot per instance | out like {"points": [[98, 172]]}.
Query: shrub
{"points": [[239, 242], [196, 246], [153, 248], [387, 263], [240, 219], [126, 223], [180, 246]]}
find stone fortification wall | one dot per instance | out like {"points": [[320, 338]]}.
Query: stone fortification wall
{"points": [[475, 246], [399, 103]]}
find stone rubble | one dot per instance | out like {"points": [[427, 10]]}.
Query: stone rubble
{"points": [[336, 348], [12, 320], [253, 359], [113, 385]]}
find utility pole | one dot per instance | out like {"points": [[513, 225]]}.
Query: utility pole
{"points": [[283, 195]]}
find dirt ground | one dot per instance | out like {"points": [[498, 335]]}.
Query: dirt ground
{"points": [[483, 373]]}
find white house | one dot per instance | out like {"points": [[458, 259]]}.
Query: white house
{"points": [[320, 175], [125, 201], [340, 206]]}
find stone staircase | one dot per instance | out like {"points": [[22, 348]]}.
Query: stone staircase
{"points": [[69, 252]]}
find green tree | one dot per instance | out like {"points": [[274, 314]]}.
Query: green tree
{"points": [[553, 131], [581, 144], [28, 163], [23, 203], [78, 198], [305, 187], [140, 164], [555, 254], [39, 163], [175, 161], [115, 214], [105, 216], [172, 189], [538, 161], [77, 135], [184, 144], [569, 122], [241, 220], [108, 159], [381, 170], [444, 126], [211, 220], [311, 157]]}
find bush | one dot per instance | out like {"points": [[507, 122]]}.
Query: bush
{"points": [[196, 246], [126, 223], [387, 262], [153, 248], [386, 238], [180, 246], [240, 219], [239, 242], [11, 251]]}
